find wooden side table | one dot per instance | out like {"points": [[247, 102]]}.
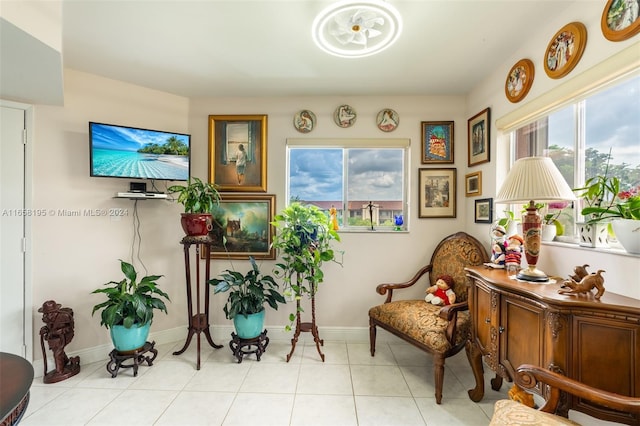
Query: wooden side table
{"points": [[198, 322], [16, 376]]}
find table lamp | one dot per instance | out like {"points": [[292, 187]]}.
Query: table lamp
{"points": [[531, 180]]}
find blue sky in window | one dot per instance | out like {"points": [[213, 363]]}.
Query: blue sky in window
{"points": [[108, 136], [374, 174]]}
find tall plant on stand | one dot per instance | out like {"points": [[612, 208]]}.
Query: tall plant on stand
{"points": [[304, 238]]}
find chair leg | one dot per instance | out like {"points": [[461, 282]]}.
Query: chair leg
{"points": [[438, 375], [372, 337]]}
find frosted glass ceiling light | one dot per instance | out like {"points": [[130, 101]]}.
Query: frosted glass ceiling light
{"points": [[354, 29]]}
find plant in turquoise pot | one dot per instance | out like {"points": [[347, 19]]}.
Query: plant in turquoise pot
{"points": [[248, 294], [129, 308]]}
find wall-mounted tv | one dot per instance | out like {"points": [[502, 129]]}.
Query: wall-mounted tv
{"points": [[133, 153]]}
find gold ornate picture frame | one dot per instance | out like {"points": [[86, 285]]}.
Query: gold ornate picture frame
{"points": [[238, 152], [473, 184], [519, 80]]}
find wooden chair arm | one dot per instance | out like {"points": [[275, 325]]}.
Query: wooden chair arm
{"points": [[388, 288], [448, 312], [529, 375]]}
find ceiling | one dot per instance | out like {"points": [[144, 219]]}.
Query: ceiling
{"points": [[264, 47]]}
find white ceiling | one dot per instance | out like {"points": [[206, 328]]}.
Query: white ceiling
{"points": [[264, 47]]}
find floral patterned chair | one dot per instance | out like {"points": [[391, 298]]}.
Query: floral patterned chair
{"points": [[508, 413], [441, 331]]}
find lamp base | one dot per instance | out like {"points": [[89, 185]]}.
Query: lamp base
{"points": [[532, 274]]}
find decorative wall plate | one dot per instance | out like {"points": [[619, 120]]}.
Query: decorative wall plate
{"points": [[304, 121], [519, 80], [387, 120], [344, 116], [565, 50], [620, 20]]}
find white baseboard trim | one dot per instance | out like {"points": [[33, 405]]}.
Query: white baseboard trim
{"points": [[221, 334]]}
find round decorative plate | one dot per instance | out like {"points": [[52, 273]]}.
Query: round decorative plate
{"points": [[387, 120], [519, 80], [344, 116], [565, 50], [304, 121], [620, 20]]}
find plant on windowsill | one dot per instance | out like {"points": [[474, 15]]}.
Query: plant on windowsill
{"points": [[199, 199], [128, 310], [248, 295], [304, 237]]}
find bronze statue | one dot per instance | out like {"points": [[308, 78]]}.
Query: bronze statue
{"points": [[58, 332]]}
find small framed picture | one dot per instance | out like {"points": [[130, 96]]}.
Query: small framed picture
{"points": [[244, 223], [473, 184], [519, 80], [565, 50], [620, 20], [478, 138], [484, 210], [437, 142], [437, 193], [238, 152]]}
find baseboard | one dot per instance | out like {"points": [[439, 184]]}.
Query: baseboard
{"points": [[222, 333]]}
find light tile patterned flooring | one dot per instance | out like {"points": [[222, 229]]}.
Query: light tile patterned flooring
{"points": [[350, 388]]}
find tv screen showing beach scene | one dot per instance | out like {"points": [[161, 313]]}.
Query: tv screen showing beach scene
{"points": [[129, 152]]}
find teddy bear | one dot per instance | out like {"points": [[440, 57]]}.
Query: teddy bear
{"points": [[441, 293]]}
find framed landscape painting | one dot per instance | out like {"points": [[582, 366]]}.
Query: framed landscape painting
{"points": [[238, 152], [242, 225], [437, 193]]}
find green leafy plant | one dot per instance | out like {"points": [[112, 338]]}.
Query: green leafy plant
{"points": [[304, 237], [196, 196], [129, 301], [247, 293]]}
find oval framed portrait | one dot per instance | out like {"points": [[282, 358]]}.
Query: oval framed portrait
{"points": [[620, 19], [304, 121], [565, 50], [387, 120], [344, 116], [519, 80]]}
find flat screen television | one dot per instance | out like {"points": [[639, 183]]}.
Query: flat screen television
{"points": [[133, 153]]}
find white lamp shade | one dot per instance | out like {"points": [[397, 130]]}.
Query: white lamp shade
{"points": [[534, 178]]}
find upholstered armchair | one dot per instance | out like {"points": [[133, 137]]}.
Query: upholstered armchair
{"points": [[440, 331], [507, 412]]}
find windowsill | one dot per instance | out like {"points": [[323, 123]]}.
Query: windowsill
{"points": [[607, 250], [374, 231]]}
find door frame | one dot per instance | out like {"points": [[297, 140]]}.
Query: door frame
{"points": [[28, 205]]}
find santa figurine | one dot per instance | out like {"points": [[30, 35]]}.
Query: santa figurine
{"points": [[441, 293]]}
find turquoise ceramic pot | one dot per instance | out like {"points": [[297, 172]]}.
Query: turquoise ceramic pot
{"points": [[250, 326], [129, 339]]}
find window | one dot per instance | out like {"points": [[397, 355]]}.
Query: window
{"points": [[587, 136], [364, 180]]}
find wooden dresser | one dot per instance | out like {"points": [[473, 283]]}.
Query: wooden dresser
{"points": [[594, 342]]}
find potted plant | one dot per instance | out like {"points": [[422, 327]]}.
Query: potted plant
{"points": [[199, 199], [248, 294], [598, 195], [128, 310]]}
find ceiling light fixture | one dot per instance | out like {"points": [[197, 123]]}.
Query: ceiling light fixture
{"points": [[354, 29]]}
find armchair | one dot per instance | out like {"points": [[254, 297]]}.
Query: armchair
{"points": [[440, 331], [507, 412]]}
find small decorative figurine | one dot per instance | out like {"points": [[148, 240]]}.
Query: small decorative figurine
{"points": [[586, 284], [497, 254], [580, 272], [513, 252], [58, 332], [397, 219], [441, 293], [333, 215]]}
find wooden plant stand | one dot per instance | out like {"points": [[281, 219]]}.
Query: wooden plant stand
{"points": [[307, 327], [198, 322], [241, 347], [137, 357]]}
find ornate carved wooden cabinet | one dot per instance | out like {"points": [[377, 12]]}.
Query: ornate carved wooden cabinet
{"points": [[594, 342]]}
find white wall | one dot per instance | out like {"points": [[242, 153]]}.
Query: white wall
{"points": [[623, 271]]}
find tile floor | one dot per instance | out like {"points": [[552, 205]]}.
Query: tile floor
{"points": [[350, 388]]}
